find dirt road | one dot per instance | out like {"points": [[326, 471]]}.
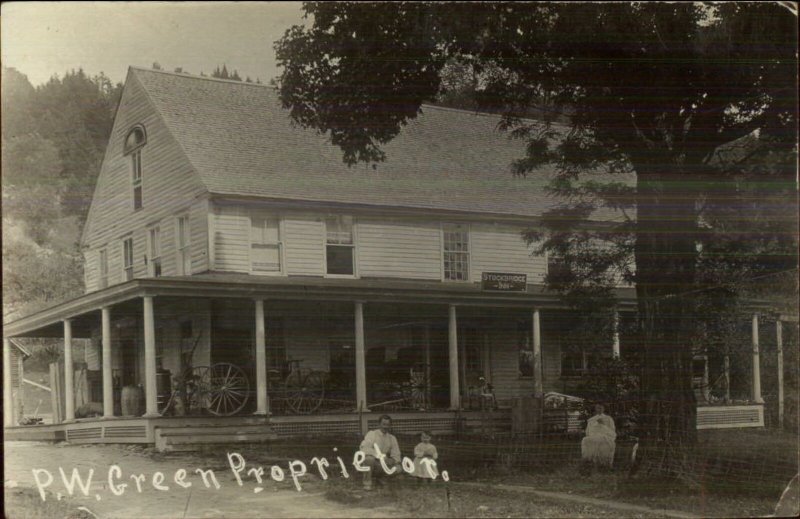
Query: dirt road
{"points": [[268, 499]]}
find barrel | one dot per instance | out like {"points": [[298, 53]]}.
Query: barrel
{"points": [[132, 397]]}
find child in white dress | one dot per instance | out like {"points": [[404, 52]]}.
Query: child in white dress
{"points": [[425, 450]]}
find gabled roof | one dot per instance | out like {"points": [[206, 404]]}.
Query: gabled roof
{"points": [[241, 142]]}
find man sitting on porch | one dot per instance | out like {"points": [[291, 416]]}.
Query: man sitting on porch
{"points": [[389, 449]]}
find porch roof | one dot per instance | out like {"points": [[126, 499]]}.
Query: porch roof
{"points": [[47, 322]]}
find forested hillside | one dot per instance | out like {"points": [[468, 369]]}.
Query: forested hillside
{"points": [[53, 139]]}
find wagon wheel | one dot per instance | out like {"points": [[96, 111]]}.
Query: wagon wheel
{"points": [[416, 389], [228, 389], [194, 388], [304, 391]]}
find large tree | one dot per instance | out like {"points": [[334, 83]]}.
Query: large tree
{"points": [[651, 93]]}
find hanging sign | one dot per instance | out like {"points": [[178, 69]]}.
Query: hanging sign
{"points": [[504, 282]]}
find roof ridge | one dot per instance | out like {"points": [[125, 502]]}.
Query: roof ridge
{"points": [[485, 114], [275, 88], [205, 78]]}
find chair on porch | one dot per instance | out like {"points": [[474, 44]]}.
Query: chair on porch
{"points": [[480, 393]]}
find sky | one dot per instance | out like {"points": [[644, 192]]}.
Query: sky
{"points": [[42, 39]]}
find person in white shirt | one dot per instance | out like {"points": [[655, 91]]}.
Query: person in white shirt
{"points": [[599, 444], [388, 446]]}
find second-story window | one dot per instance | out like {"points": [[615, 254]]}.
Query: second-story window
{"points": [[134, 143], [265, 244], [127, 258], [182, 237], [103, 268], [455, 252], [339, 246], [154, 246]]}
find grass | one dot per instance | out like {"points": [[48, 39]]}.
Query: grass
{"points": [[743, 473], [439, 499], [25, 503]]}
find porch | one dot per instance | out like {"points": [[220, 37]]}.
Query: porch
{"points": [[175, 433], [425, 352]]}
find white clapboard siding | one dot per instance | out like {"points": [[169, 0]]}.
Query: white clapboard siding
{"points": [[139, 253], [306, 339], [115, 262], [409, 250], [304, 244], [198, 235], [168, 183], [231, 239], [169, 265], [496, 248], [551, 364], [93, 355], [16, 368], [505, 363], [91, 272]]}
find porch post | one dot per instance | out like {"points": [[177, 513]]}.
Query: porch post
{"points": [[108, 381], [262, 406], [538, 386], [455, 396], [151, 405], [361, 371], [727, 372], [427, 340], [779, 341], [487, 359], [8, 405], [69, 373], [615, 343], [756, 364]]}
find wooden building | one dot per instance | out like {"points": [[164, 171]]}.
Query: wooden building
{"points": [[222, 234], [13, 375]]}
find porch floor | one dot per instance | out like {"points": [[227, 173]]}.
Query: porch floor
{"points": [[170, 432]]}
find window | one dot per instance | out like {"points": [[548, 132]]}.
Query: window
{"points": [[472, 358], [134, 142], [577, 362], [103, 268], [187, 343], [136, 166], [154, 246], [265, 244], [340, 246], [184, 255], [573, 363], [127, 259], [455, 254], [275, 344], [525, 348]]}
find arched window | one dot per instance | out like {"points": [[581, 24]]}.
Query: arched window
{"points": [[136, 139], [134, 142]]}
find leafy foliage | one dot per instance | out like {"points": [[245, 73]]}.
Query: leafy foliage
{"points": [[651, 93]]}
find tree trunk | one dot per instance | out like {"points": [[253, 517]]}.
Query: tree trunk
{"points": [[666, 254]]}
